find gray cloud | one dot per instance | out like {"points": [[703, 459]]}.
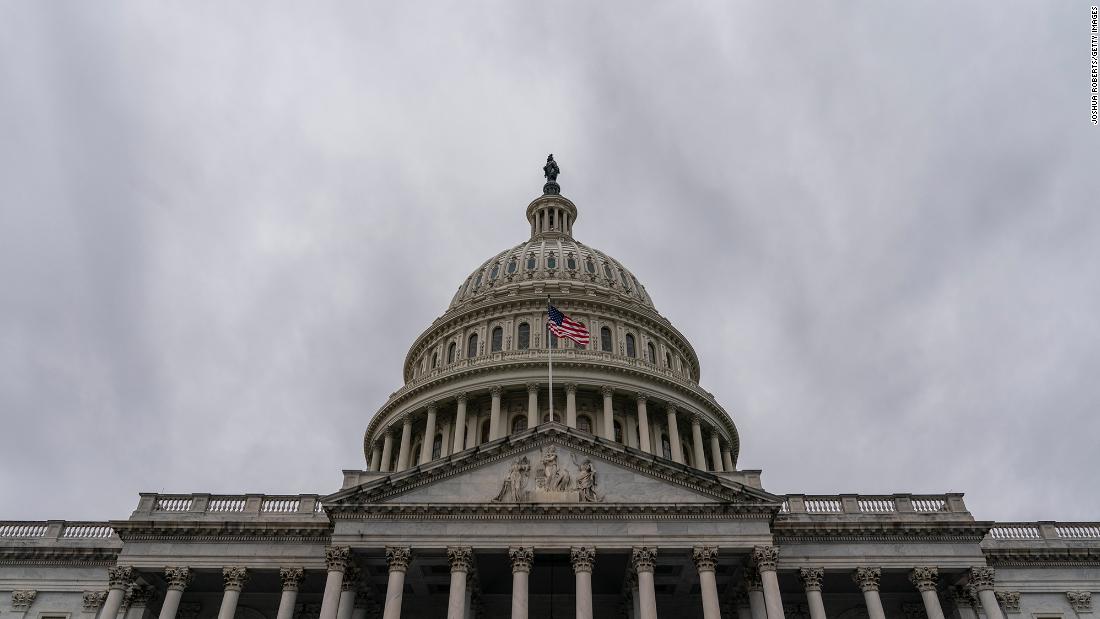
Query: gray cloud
{"points": [[221, 227]]}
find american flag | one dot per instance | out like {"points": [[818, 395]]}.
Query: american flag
{"points": [[562, 326]]}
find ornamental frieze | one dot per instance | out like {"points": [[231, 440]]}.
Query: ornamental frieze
{"points": [[553, 482]]}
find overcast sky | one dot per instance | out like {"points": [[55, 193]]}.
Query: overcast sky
{"points": [[223, 224]]}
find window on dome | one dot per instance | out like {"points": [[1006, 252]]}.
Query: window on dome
{"points": [[511, 266], [584, 424], [435, 360], [524, 336], [618, 432], [571, 263], [451, 353], [498, 339], [519, 424], [551, 262], [652, 352], [437, 447], [606, 271], [494, 272], [477, 282], [668, 360], [605, 339], [471, 346], [531, 263], [666, 447], [630, 352], [590, 266], [485, 431]]}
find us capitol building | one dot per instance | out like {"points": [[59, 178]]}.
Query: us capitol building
{"points": [[625, 499]]}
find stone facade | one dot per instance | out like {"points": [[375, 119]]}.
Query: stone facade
{"points": [[487, 493]]}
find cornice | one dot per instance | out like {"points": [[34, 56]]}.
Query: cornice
{"points": [[917, 531], [557, 511], [58, 555], [221, 531], [1043, 557]]}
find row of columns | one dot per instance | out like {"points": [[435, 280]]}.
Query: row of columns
{"points": [[720, 454]]}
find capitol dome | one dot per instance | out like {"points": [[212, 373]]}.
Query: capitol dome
{"points": [[480, 372]]}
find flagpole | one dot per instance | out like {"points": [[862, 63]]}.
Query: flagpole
{"points": [[549, 359]]}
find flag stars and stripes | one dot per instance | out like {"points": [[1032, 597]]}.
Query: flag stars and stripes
{"points": [[563, 326]]}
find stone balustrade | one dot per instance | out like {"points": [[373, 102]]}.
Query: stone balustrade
{"points": [[1036, 531], [873, 504], [56, 530], [253, 505]]}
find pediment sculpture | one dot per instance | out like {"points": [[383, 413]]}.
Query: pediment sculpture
{"points": [[553, 482]]}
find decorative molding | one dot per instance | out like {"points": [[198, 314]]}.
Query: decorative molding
{"points": [[235, 577], [496, 390], [765, 557], [22, 599], [811, 578], [522, 557], [398, 557], [140, 595], [705, 558], [867, 578], [1081, 601], [643, 558], [291, 577], [582, 558], [461, 558], [92, 600], [607, 391], [1010, 600], [961, 595], [924, 578], [120, 577], [336, 558], [460, 397], [532, 387], [981, 578], [178, 577], [571, 388]]}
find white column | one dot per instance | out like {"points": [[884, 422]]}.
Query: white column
{"points": [[811, 578], [571, 405], [643, 425], [867, 578], [178, 578], [533, 405], [473, 423], [924, 579], [697, 443], [982, 579], [348, 590], [398, 558], [715, 452], [406, 443], [494, 414], [635, 610], [429, 436], [727, 460], [336, 559], [119, 579], [375, 457], [235, 578], [608, 414], [757, 607], [706, 560], [291, 578], [522, 558], [460, 558], [644, 558], [582, 558], [766, 558], [460, 423], [674, 435], [387, 451]]}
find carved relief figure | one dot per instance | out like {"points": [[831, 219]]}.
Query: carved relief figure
{"points": [[514, 488], [553, 478], [586, 482]]}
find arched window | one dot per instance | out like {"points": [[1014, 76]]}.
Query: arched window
{"points": [[519, 424], [524, 336], [477, 282], [666, 447], [435, 360], [494, 272], [512, 265], [652, 352], [618, 432], [605, 339], [498, 339], [451, 353], [551, 261], [485, 431], [584, 423], [606, 271], [571, 263], [437, 446], [590, 266], [531, 262], [668, 360], [553, 339], [471, 346], [630, 352]]}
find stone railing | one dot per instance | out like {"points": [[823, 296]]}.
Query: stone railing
{"points": [[56, 529], [873, 504], [1037, 531], [257, 505]]}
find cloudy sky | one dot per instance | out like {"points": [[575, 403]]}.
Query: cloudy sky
{"points": [[221, 226]]}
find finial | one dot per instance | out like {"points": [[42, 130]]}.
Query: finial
{"points": [[551, 171]]}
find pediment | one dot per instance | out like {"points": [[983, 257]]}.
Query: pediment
{"points": [[552, 465]]}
